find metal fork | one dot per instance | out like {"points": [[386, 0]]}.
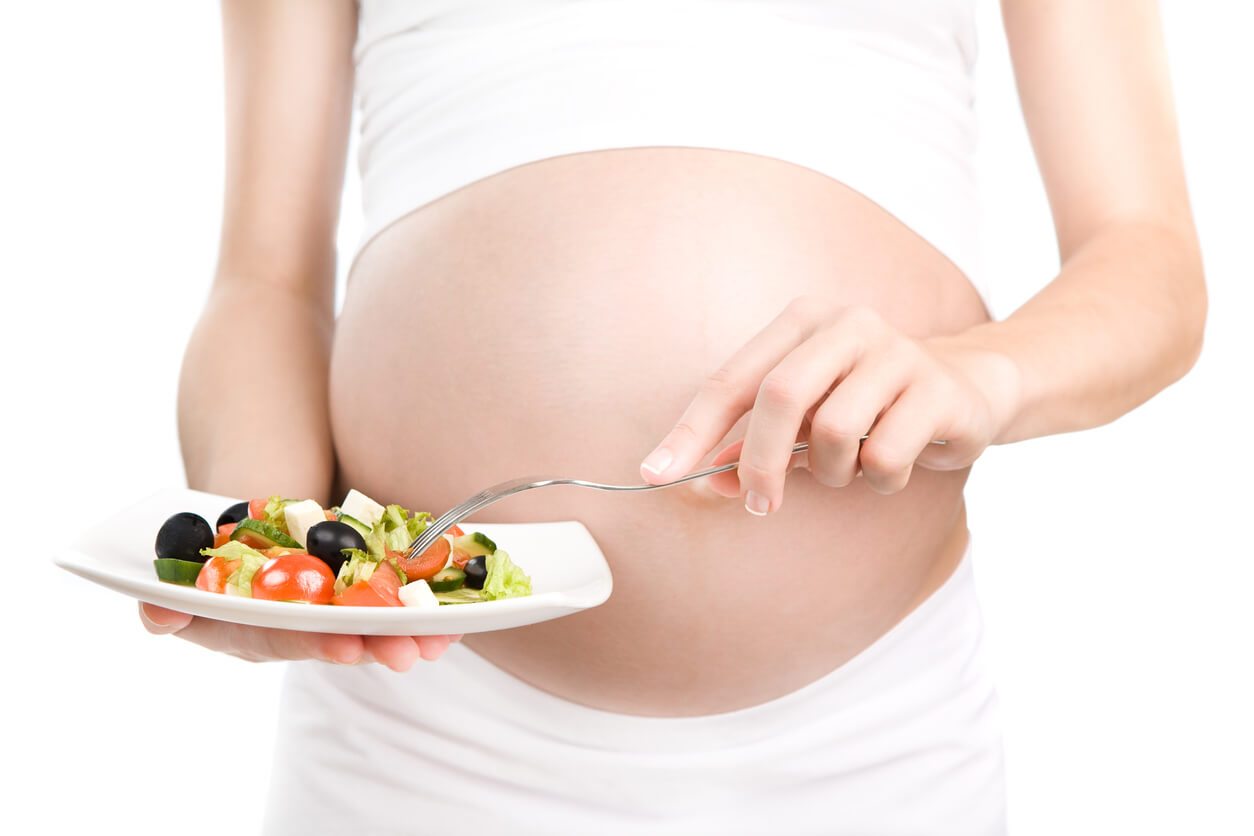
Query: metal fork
{"points": [[496, 493]]}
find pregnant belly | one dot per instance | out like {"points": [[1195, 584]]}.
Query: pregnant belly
{"points": [[557, 318]]}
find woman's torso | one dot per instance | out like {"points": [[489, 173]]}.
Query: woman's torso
{"points": [[559, 315]]}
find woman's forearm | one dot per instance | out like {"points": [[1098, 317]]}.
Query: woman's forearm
{"points": [[253, 417], [1122, 321]]}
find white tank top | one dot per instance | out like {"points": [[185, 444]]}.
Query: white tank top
{"points": [[876, 94]]}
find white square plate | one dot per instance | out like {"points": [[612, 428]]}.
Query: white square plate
{"points": [[568, 574]]}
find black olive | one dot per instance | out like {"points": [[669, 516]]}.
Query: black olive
{"points": [[327, 541], [476, 570], [183, 536], [233, 514]]}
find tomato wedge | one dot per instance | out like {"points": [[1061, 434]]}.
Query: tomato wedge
{"points": [[380, 591], [459, 558], [294, 576], [426, 564], [224, 534], [257, 508], [213, 576], [279, 551]]}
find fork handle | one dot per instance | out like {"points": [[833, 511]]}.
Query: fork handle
{"points": [[496, 493]]}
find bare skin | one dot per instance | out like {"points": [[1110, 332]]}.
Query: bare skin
{"points": [[579, 314], [618, 281]]}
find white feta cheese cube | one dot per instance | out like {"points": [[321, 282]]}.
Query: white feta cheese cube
{"points": [[417, 594], [302, 516], [362, 508]]}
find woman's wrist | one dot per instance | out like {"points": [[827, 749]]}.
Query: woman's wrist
{"points": [[992, 370]]}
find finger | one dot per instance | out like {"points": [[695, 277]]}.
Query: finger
{"points": [[432, 647], [798, 382], [396, 652], [888, 455], [726, 483], [847, 414], [729, 393], [263, 644], [966, 435], [161, 621]]}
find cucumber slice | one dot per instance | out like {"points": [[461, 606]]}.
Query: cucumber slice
{"points": [[460, 596], [354, 523], [263, 532], [173, 570], [447, 579], [475, 544]]}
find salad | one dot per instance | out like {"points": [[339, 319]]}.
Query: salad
{"points": [[354, 554]]}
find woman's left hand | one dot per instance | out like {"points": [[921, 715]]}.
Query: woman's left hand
{"points": [[832, 374]]}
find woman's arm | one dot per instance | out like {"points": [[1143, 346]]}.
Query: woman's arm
{"points": [[1122, 320], [253, 417], [253, 413]]}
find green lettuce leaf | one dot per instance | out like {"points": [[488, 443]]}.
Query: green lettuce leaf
{"points": [[240, 581], [233, 550], [396, 530], [417, 524], [274, 513], [359, 567], [505, 579], [397, 539], [393, 518]]}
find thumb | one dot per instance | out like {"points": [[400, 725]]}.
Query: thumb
{"points": [[159, 620]]}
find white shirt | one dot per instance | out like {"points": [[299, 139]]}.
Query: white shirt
{"points": [[876, 94]]}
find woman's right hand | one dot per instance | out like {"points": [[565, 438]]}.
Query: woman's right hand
{"points": [[264, 644]]}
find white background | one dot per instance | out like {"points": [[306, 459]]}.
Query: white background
{"points": [[1114, 564]]}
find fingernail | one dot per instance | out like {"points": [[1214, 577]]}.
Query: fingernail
{"points": [[657, 461], [756, 504], [153, 624]]}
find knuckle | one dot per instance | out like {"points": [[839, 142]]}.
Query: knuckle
{"points": [[723, 385], [685, 430], [779, 393], [832, 433], [883, 459], [755, 474]]}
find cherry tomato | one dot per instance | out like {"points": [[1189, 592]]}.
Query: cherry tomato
{"points": [[380, 591], [213, 575], [426, 564], [257, 509], [294, 576]]}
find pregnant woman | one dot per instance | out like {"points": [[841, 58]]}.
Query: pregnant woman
{"points": [[608, 239]]}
